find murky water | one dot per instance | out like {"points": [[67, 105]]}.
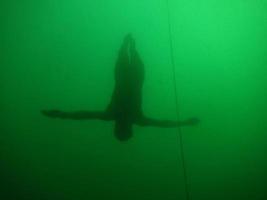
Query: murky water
{"points": [[61, 55]]}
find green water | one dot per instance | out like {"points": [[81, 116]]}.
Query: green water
{"points": [[59, 54]]}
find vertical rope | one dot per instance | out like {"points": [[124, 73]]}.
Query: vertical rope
{"points": [[180, 139]]}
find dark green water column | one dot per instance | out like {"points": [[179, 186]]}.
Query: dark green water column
{"points": [[61, 54]]}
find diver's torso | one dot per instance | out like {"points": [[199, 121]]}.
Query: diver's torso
{"points": [[127, 96]]}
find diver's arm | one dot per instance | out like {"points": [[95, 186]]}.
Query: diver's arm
{"points": [[76, 115], [145, 121]]}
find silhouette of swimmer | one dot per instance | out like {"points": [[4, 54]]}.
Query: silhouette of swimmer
{"points": [[125, 107]]}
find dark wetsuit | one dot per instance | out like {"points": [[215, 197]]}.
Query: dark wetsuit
{"points": [[126, 103], [125, 107]]}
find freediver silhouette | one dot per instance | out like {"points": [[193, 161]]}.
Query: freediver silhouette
{"points": [[125, 107]]}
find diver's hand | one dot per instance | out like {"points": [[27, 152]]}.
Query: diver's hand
{"points": [[52, 113], [192, 121]]}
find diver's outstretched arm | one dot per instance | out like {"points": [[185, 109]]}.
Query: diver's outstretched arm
{"points": [[145, 121], [77, 115]]}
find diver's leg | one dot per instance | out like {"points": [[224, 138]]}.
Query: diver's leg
{"points": [[145, 121], [77, 115]]}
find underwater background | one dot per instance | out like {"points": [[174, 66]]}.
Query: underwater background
{"points": [[60, 54]]}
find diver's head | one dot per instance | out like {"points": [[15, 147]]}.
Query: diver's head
{"points": [[123, 130]]}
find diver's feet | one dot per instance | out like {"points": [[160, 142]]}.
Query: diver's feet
{"points": [[192, 121], [128, 38], [129, 41]]}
